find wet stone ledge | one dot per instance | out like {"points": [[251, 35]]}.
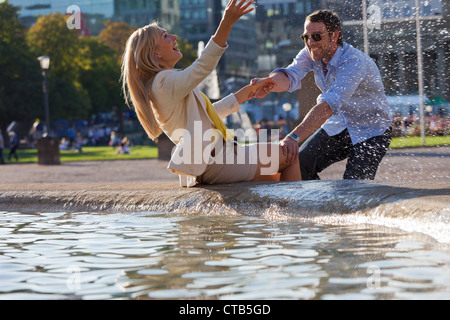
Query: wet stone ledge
{"points": [[332, 201]]}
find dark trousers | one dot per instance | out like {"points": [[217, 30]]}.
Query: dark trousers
{"points": [[320, 151], [13, 152]]}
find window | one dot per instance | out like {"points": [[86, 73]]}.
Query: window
{"points": [[300, 7]]}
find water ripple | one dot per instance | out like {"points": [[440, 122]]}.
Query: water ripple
{"points": [[164, 256]]}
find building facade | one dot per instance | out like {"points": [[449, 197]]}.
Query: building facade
{"points": [[33, 8], [139, 13], [200, 19], [279, 24], [94, 13], [392, 42]]}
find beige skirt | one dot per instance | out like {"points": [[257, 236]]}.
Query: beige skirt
{"points": [[237, 163]]}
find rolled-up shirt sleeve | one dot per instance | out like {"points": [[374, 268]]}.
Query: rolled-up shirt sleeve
{"points": [[297, 70], [349, 76]]}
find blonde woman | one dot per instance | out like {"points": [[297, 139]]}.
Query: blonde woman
{"points": [[168, 100]]}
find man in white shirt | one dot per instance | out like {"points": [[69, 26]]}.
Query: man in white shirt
{"points": [[352, 119]]}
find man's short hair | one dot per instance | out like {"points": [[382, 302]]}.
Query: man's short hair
{"points": [[330, 19]]}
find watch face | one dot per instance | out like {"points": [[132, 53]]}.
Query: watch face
{"points": [[294, 136]]}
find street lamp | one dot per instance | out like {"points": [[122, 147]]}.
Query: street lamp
{"points": [[287, 107], [45, 64], [48, 147]]}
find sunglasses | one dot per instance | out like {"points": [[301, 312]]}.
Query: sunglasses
{"points": [[316, 36]]}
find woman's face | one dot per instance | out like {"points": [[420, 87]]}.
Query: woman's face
{"points": [[167, 53]]}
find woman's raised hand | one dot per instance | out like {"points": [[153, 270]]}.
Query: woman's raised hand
{"points": [[233, 12]]}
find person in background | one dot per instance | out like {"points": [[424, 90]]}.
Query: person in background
{"points": [[64, 144], [113, 139], [13, 145], [79, 142], [2, 146], [124, 146]]}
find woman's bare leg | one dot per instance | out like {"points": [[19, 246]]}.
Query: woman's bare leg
{"points": [[266, 159]]}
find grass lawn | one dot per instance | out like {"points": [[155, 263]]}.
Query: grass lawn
{"points": [[89, 154], [149, 152], [410, 142]]}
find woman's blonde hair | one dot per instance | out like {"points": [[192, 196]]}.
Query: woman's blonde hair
{"points": [[139, 68]]}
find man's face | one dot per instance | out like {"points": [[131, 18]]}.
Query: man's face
{"points": [[324, 48]]}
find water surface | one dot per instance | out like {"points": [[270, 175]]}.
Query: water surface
{"points": [[148, 255]]}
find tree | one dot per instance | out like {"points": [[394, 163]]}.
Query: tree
{"points": [[21, 96], [115, 36], [50, 36], [101, 74]]}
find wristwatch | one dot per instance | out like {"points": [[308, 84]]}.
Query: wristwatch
{"points": [[293, 136]]}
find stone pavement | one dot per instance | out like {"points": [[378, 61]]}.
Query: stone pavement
{"points": [[410, 166]]}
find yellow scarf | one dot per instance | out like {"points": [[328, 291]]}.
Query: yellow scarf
{"points": [[226, 134]]}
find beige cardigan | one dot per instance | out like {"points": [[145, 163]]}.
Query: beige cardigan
{"points": [[181, 108]]}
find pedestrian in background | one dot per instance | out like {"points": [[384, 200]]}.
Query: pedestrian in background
{"points": [[2, 145], [13, 145]]}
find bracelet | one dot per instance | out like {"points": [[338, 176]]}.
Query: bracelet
{"points": [[294, 137]]}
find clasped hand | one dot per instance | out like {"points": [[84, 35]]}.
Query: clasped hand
{"points": [[263, 86]]}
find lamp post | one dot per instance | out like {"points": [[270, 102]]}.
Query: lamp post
{"points": [[45, 64], [48, 147]]}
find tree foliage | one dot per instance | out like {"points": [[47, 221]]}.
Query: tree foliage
{"points": [[20, 79], [100, 75], [115, 36], [50, 36]]}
